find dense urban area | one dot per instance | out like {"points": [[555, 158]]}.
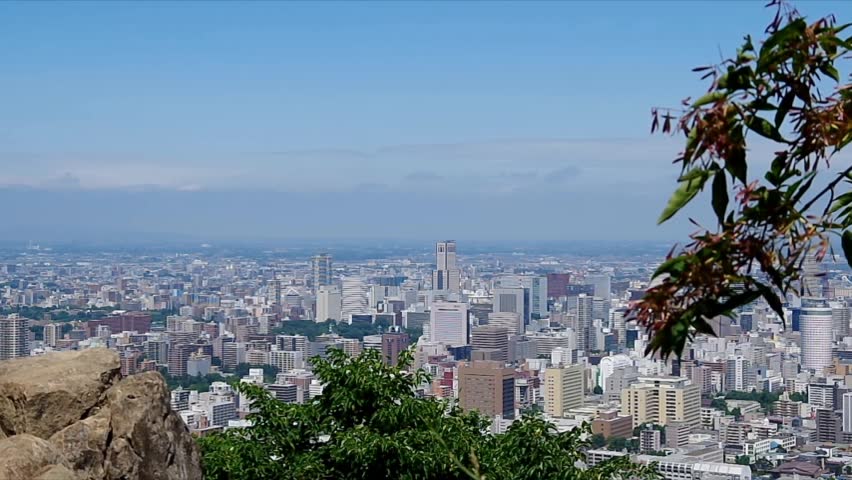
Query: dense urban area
{"points": [[502, 334]]}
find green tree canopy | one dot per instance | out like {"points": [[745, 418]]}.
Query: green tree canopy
{"points": [[370, 423]]}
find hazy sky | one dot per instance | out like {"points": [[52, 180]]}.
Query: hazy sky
{"points": [[350, 119]]}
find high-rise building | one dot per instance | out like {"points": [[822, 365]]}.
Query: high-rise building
{"points": [[354, 299], [813, 277], [321, 269], [52, 334], [847, 412], [619, 326], [446, 276], [602, 283], [511, 321], [739, 374], [585, 332], [557, 284], [829, 425], [509, 299], [293, 343], [14, 337], [273, 289], [328, 303], [563, 389], [535, 288], [487, 387], [815, 322], [392, 345], [491, 338], [285, 360], [448, 323], [662, 400], [840, 317]]}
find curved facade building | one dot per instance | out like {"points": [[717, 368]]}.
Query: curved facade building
{"points": [[354, 298], [815, 323]]}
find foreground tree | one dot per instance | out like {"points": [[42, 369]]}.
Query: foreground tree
{"points": [[788, 92], [369, 423]]}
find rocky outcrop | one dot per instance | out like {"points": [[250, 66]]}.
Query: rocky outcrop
{"points": [[69, 415]]}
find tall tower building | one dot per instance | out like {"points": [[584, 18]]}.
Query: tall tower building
{"points": [[448, 323], [14, 337], [536, 290], [585, 332], [321, 269], [813, 277], [446, 276], [815, 323], [328, 303], [392, 345], [739, 374], [487, 387], [563, 389], [847, 412], [354, 298]]}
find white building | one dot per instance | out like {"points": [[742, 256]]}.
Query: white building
{"points": [[354, 298], [449, 323], [446, 276], [815, 324], [328, 303]]}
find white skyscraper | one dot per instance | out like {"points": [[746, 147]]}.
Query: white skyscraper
{"points": [[815, 324], [446, 276], [448, 323], [354, 298], [847, 412], [328, 303], [14, 337]]}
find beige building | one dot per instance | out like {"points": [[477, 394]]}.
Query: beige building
{"points": [[563, 389], [487, 387], [662, 400]]}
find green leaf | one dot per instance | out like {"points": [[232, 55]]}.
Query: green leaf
{"points": [[784, 107], [720, 195], [846, 243], [829, 70], [710, 97], [736, 164], [683, 195], [764, 128]]}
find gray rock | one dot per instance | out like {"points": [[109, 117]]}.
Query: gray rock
{"points": [[24, 457]]}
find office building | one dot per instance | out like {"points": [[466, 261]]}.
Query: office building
{"points": [[610, 423], [285, 360], [662, 400], [563, 389], [557, 284], [847, 412], [829, 425], [487, 387], [321, 270], [354, 299], [815, 322], [328, 303], [585, 333], [448, 323], [491, 338], [535, 293], [509, 300], [446, 276], [14, 337], [392, 345], [509, 320], [739, 375]]}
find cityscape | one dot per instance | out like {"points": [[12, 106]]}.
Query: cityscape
{"points": [[501, 334]]}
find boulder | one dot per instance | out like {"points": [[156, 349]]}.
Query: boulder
{"points": [[44, 394], [24, 457], [110, 428]]}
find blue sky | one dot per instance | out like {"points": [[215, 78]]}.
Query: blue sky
{"points": [[403, 119]]}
